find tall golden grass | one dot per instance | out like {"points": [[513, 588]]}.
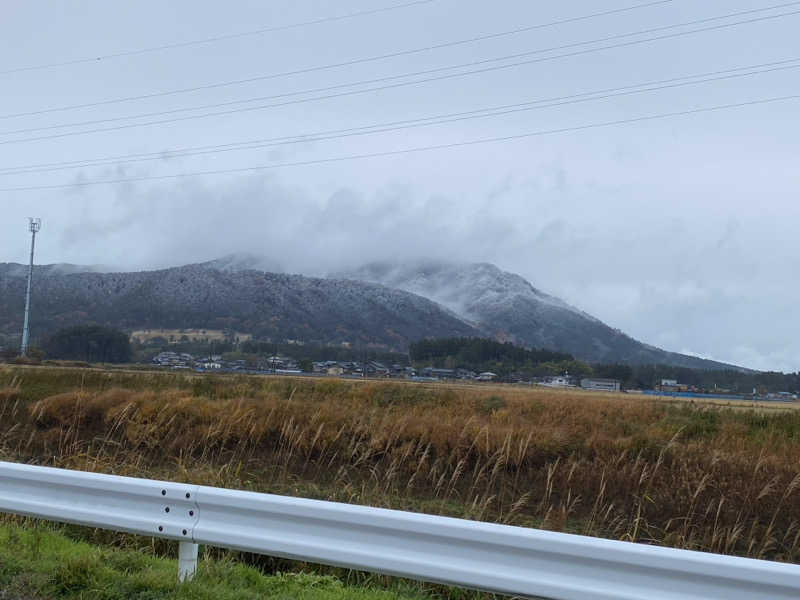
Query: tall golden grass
{"points": [[680, 475]]}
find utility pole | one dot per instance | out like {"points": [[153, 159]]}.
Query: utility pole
{"points": [[34, 225]]}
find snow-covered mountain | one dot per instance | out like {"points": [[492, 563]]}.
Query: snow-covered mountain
{"points": [[18, 270], [267, 305], [506, 306], [244, 262], [390, 304]]}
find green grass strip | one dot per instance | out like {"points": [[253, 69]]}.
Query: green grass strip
{"points": [[38, 562]]}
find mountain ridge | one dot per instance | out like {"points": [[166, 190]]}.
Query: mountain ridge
{"points": [[269, 305], [388, 304], [507, 306]]}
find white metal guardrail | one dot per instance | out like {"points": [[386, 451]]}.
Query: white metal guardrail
{"points": [[496, 558]]}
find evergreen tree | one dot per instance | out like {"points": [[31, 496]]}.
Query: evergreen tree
{"points": [[92, 343]]}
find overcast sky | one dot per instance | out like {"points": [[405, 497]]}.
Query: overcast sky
{"points": [[681, 232]]}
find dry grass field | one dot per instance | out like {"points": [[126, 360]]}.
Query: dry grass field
{"points": [[717, 478]]}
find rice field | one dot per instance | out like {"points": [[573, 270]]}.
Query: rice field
{"points": [[674, 473]]}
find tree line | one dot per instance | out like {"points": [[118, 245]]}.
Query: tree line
{"points": [[90, 343], [502, 358]]}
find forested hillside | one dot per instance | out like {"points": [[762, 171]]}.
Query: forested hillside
{"points": [[266, 305]]}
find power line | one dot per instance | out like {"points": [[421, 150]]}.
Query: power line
{"points": [[411, 150], [343, 64], [218, 38], [397, 125], [414, 51], [379, 88]]}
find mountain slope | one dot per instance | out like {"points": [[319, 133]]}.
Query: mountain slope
{"points": [[243, 262], [381, 303], [508, 307], [267, 305]]}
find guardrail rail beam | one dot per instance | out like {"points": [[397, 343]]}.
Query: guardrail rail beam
{"points": [[486, 556]]}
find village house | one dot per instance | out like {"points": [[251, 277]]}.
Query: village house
{"points": [[600, 385]]}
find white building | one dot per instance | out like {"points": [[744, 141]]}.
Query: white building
{"points": [[602, 385], [557, 381], [209, 365]]}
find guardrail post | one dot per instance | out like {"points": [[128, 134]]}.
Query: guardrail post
{"points": [[187, 561]]}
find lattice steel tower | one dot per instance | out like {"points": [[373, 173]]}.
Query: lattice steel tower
{"points": [[34, 225]]}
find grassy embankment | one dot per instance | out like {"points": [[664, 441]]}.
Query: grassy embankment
{"points": [[677, 474], [44, 563]]}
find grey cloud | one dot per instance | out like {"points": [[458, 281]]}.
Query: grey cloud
{"points": [[682, 232]]}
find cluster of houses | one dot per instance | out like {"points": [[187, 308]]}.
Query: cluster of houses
{"points": [[674, 388], [587, 383], [184, 361], [372, 368], [375, 368], [669, 387], [672, 385], [174, 360], [462, 374], [289, 366]]}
